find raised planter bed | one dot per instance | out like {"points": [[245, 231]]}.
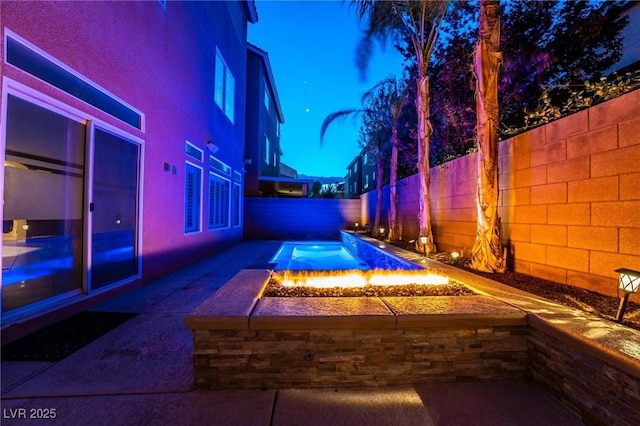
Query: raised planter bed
{"points": [[244, 341]]}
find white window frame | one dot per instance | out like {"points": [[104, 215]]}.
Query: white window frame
{"points": [[196, 148], [266, 155], [10, 34], [224, 87], [199, 210], [219, 227], [236, 210], [26, 93]]}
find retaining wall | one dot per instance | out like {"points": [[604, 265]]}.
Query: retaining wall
{"points": [[569, 198], [597, 392]]}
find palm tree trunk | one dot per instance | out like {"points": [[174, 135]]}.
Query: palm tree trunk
{"points": [[376, 222], [393, 178], [487, 253], [424, 132]]}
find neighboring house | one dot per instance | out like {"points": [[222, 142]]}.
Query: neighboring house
{"points": [[264, 118], [361, 175], [286, 171], [122, 134], [353, 179], [630, 35], [368, 171]]}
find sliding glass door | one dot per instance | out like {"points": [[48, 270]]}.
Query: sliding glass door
{"points": [[70, 222], [114, 209], [42, 224]]}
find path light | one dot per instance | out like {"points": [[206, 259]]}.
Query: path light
{"points": [[629, 281], [382, 231], [423, 240], [455, 256]]}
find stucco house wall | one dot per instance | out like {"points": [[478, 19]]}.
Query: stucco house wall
{"points": [[569, 198], [160, 59]]}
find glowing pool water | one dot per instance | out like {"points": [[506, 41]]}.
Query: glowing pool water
{"points": [[318, 255], [328, 264]]}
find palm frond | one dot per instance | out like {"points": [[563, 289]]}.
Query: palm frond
{"points": [[340, 116]]}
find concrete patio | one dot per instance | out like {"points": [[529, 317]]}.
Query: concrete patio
{"points": [[142, 373]]}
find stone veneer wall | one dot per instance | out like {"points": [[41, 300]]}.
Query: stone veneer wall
{"points": [[227, 359], [596, 392], [569, 199]]}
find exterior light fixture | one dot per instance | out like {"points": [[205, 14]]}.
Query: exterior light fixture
{"points": [[212, 147], [629, 281], [357, 225], [455, 256], [381, 230], [423, 240]]}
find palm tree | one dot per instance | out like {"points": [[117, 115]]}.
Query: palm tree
{"points": [[383, 105], [418, 23], [487, 253], [398, 100]]}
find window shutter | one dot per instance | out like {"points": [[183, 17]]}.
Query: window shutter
{"points": [[192, 199], [219, 83], [230, 87], [188, 203]]}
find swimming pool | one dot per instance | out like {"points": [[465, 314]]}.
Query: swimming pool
{"points": [[316, 255]]}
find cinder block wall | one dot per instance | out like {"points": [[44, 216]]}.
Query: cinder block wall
{"points": [[298, 218], [569, 198]]}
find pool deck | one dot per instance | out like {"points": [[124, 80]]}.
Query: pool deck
{"points": [[141, 372]]}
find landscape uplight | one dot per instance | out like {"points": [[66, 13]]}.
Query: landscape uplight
{"points": [[423, 240], [628, 281]]}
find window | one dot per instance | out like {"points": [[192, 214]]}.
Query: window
{"points": [[237, 196], [366, 181], [266, 149], [218, 202], [224, 87], [44, 67], [192, 151], [365, 159], [219, 166], [266, 95], [192, 197]]}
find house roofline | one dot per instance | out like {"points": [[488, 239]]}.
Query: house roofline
{"points": [[250, 10], [267, 66]]}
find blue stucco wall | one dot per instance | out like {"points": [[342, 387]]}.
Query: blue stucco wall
{"points": [[298, 218]]}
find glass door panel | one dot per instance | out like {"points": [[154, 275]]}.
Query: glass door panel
{"points": [[115, 209], [43, 198]]}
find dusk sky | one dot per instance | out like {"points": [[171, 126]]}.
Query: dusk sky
{"points": [[311, 46]]}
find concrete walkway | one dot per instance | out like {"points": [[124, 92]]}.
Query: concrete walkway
{"points": [[141, 374]]}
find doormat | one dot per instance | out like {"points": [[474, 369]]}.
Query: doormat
{"points": [[53, 343]]}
